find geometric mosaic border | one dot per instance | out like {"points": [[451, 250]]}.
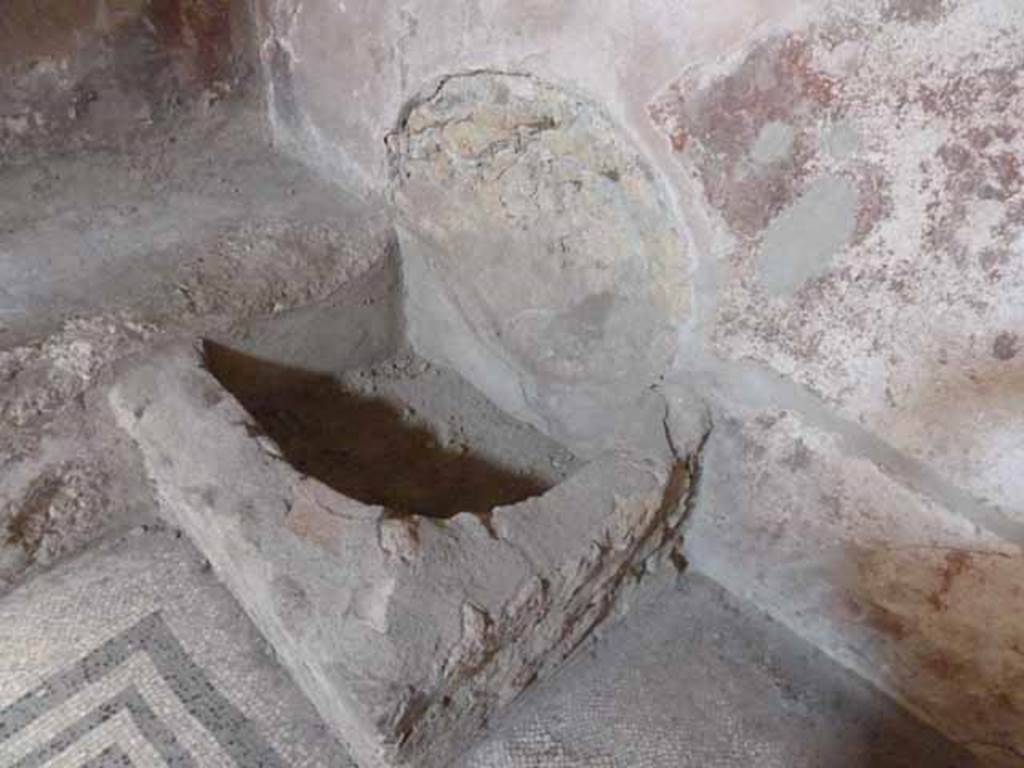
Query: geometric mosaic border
{"points": [[235, 733]]}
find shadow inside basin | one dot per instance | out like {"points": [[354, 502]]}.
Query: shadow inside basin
{"points": [[366, 447]]}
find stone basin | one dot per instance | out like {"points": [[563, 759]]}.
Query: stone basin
{"points": [[409, 621], [430, 490]]}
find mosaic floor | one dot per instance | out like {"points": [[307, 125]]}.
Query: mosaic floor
{"points": [[694, 678], [135, 656]]}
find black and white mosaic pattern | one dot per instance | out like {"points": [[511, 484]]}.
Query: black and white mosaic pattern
{"points": [[235, 735], [135, 655]]}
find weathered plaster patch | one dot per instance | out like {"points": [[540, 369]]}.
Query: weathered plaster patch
{"points": [[547, 235], [19, 125], [803, 241], [91, 74], [1006, 346], [717, 127], [958, 612], [908, 330], [915, 10], [774, 142], [842, 140], [902, 589], [923, 120]]}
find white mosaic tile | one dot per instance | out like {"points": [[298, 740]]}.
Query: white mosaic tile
{"points": [[117, 739]]}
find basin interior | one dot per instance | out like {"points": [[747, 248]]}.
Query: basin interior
{"points": [[401, 433]]}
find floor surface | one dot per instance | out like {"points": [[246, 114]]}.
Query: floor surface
{"points": [[133, 654]]}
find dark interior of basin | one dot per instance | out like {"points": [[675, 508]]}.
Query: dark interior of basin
{"points": [[402, 434]]}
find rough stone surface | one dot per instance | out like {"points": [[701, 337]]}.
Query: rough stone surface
{"points": [[408, 633], [539, 252]]}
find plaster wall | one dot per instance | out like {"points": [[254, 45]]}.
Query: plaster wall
{"points": [[98, 74], [846, 184]]}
